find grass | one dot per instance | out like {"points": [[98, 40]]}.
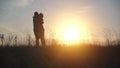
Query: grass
{"points": [[83, 56]]}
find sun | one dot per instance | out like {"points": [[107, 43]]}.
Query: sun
{"points": [[70, 29], [71, 35]]}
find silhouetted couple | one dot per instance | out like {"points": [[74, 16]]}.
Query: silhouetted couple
{"points": [[38, 28]]}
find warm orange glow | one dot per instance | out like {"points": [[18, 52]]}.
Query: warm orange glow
{"points": [[71, 34], [70, 29]]}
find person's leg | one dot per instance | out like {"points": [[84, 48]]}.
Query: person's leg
{"points": [[37, 41], [42, 37], [43, 41], [37, 38]]}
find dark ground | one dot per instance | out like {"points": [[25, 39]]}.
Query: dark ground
{"points": [[60, 57]]}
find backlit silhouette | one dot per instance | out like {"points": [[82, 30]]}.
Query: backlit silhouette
{"points": [[38, 28]]}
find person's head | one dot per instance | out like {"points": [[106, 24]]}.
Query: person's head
{"points": [[36, 13], [41, 14]]}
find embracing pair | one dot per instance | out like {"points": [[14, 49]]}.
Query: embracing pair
{"points": [[38, 28]]}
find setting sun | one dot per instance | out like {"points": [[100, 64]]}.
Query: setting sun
{"points": [[70, 28], [71, 34]]}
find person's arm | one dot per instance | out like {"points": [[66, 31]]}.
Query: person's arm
{"points": [[42, 21], [34, 21]]}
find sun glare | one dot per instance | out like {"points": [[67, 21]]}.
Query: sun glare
{"points": [[71, 34], [70, 30]]}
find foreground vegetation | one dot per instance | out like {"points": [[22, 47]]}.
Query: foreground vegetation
{"points": [[83, 56]]}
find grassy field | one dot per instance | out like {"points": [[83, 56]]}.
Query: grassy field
{"points": [[60, 57]]}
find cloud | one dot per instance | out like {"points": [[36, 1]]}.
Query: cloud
{"points": [[21, 3]]}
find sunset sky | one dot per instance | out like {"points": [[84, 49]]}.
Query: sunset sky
{"points": [[91, 17]]}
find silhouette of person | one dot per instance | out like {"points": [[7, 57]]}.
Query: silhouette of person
{"points": [[38, 28]]}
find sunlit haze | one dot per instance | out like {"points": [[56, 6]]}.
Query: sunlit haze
{"points": [[64, 20], [70, 30]]}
